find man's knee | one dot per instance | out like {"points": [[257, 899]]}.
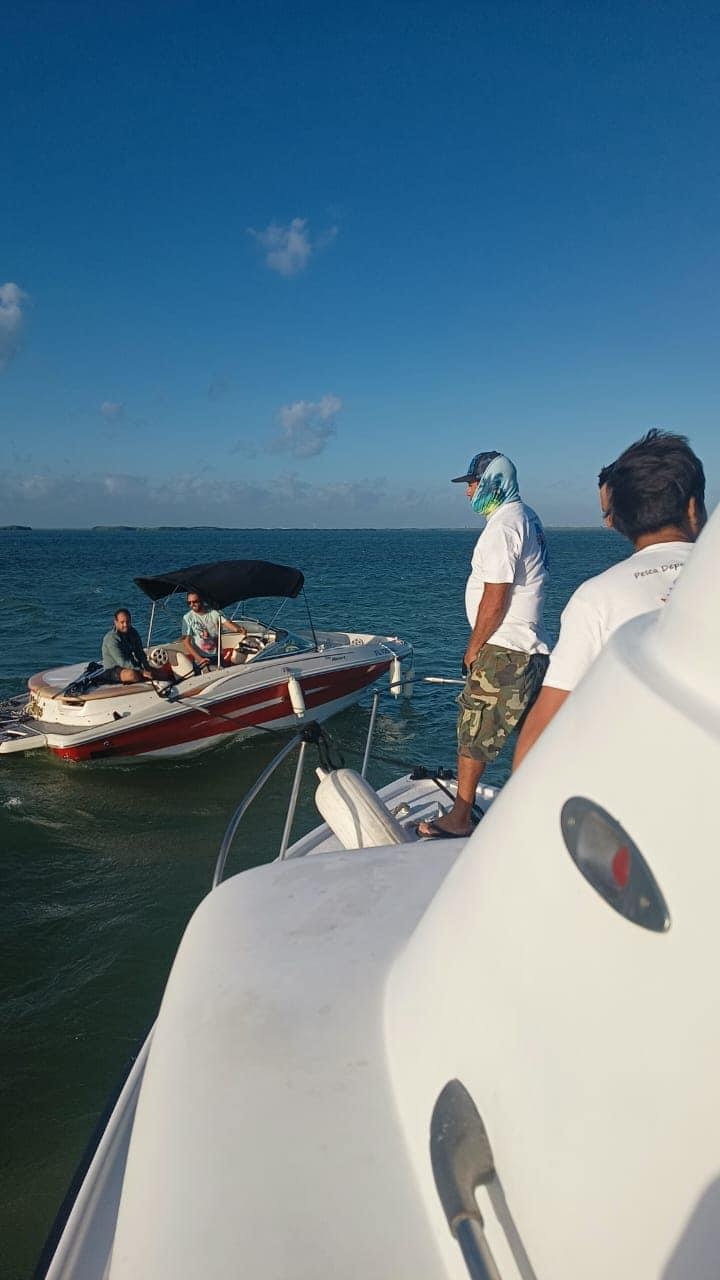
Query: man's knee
{"points": [[128, 675]]}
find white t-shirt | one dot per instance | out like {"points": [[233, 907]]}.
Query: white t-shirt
{"points": [[637, 585], [511, 548], [202, 628]]}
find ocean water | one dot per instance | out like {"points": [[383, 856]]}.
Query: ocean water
{"points": [[101, 865]]}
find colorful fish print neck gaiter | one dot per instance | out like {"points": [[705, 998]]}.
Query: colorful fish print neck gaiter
{"points": [[497, 485]]}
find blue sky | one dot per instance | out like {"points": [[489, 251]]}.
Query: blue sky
{"points": [[293, 264]]}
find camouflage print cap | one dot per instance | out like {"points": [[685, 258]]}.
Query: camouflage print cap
{"points": [[476, 467]]}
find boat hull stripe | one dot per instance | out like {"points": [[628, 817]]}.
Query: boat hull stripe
{"points": [[259, 709]]}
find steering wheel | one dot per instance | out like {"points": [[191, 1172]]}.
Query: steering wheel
{"points": [[251, 644]]}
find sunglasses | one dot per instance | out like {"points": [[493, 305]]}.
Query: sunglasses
{"points": [[191, 602]]}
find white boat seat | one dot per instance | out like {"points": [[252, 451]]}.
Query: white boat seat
{"points": [[39, 685], [228, 640], [107, 691]]}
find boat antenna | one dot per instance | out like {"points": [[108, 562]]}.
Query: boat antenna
{"points": [[312, 627], [150, 624]]}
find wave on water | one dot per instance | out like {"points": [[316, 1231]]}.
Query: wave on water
{"points": [[51, 823]]}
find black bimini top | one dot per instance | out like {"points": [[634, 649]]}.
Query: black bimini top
{"points": [[225, 581]]}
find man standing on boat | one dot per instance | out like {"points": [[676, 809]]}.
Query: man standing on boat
{"points": [[507, 654], [654, 494], [123, 656]]}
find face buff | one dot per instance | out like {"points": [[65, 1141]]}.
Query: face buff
{"points": [[497, 484]]}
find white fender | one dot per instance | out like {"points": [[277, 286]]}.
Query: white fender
{"points": [[408, 680], [401, 678], [297, 701], [355, 813]]}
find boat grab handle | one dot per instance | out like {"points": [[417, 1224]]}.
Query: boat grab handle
{"points": [[462, 1160]]}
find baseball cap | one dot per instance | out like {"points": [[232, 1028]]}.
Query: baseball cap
{"points": [[476, 467]]}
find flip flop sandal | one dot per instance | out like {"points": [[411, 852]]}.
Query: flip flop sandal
{"points": [[434, 832]]}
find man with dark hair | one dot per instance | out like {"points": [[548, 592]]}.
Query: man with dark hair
{"points": [[123, 656], [654, 494], [604, 494], [201, 627], [653, 483], [506, 653]]}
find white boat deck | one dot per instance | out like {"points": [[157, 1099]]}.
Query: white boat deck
{"points": [[407, 799]]}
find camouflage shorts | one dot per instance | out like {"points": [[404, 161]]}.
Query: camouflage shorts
{"points": [[500, 686]]}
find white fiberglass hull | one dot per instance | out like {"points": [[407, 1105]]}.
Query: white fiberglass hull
{"points": [[82, 1245], [137, 721]]}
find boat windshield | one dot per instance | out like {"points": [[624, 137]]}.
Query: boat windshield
{"points": [[287, 642]]}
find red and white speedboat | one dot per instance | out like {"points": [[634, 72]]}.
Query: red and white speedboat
{"points": [[267, 679]]}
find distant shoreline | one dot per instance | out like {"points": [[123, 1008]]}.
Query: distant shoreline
{"points": [[155, 528], [217, 528]]}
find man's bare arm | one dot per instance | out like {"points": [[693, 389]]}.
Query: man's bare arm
{"points": [[493, 606], [549, 702]]}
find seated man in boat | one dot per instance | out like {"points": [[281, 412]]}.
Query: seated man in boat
{"points": [[200, 629], [123, 656], [654, 495]]}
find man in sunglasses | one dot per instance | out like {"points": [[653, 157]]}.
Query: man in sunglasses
{"points": [[201, 627]]}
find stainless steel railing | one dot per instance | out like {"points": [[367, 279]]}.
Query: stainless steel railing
{"points": [[247, 800], [310, 731]]}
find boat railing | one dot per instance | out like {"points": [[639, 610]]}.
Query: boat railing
{"points": [[462, 1160], [311, 733], [256, 788]]}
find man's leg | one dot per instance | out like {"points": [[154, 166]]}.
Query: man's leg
{"points": [[458, 821], [499, 686], [128, 675]]}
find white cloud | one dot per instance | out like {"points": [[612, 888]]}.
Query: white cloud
{"points": [[71, 499], [288, 249], [34, 488], [67, 499], [74, 500], [306, 426], [111, 409], [12, 298], [120, 486]]}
